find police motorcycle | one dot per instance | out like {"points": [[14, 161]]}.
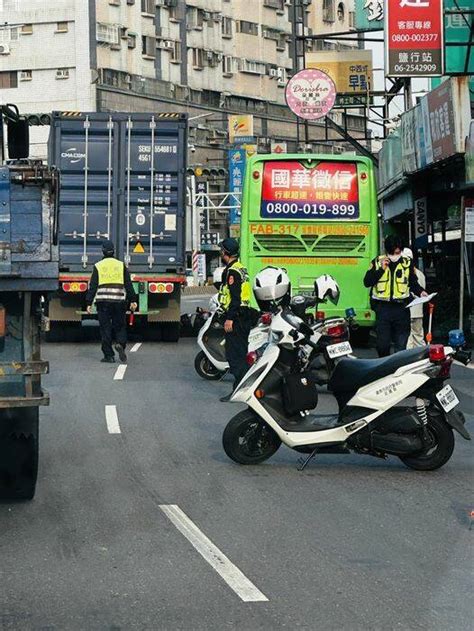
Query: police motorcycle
{"points": [[210, 362], [397, 405]]}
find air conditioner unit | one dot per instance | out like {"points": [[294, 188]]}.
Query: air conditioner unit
{"points": [[273, 72], [338, 149], [206, 16], [123, 32], [62, 73], [4, 49], [210, 55], [217, 17], [128, 78], [265, 32], [280, 73], [168, 44]]}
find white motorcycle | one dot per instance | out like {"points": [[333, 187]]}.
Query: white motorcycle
{"points": [[397, 405]]}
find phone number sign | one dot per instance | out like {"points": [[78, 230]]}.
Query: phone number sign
{"points": [[414, 38], [328, 191]]}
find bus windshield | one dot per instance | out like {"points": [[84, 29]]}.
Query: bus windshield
{"points": [[312, 215]]}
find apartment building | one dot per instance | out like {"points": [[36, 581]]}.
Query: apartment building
{"points": [[206, 57]]}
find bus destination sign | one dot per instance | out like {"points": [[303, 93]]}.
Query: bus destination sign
{"points": [[328, 191]]}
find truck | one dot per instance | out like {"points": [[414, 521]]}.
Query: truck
{"points": [[28, 272], [123, 178]]}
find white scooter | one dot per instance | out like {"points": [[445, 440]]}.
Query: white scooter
{"points": [[374, 416]]}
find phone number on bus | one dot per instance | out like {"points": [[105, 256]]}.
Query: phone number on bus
{"points": [[310, 210]]}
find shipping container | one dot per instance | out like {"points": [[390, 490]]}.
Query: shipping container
{"points": [[122, 177]]}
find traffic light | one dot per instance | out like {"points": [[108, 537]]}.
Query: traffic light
{"points": [[38, 119]]}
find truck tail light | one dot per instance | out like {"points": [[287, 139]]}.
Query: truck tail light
{"points": [[161, 288], [74, 287], [3, 321]]}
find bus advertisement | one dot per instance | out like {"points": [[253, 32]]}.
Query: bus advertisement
{"points": [[313, 214]]}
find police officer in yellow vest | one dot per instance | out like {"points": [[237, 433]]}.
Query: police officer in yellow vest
{"points": [[392, 280], [234, 300], [112, 288]]}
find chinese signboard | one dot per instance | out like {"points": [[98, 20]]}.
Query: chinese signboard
{"points": [[240, 128], [457, 30], [351, 71], [414, 38], [237, 162], [421, 222], [202, 188], [468, 220], [278, 147], [369, 15], [327, 191], [310, 94], [441, 113]]}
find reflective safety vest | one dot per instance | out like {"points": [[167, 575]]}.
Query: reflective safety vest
{"points": [[111, 285], [245, 290], [393, 285]]}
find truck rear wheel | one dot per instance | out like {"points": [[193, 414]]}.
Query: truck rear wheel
{"points": [[19, 448]]}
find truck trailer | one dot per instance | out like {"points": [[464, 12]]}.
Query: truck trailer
{"points": [[28, 272], [123, 178]]}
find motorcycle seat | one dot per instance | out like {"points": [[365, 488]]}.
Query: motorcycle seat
{"points": [[351, 374]]}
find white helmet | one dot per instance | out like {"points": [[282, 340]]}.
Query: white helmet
{"points": [[271, 286], [326, 288], [217, 277]]}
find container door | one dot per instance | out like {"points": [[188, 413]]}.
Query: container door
{"points": [[153, 158], [87, 154]]}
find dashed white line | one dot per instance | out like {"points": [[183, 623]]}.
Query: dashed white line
{"points": [[111, 418], [135, 347], [120, 372], [231, 574]]}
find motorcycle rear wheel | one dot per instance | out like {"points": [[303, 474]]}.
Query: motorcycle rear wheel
{"points": [[205, 369], [437, 454], [249, 440]]}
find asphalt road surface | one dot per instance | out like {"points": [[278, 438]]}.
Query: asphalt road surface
{"points": [[141, 522]]}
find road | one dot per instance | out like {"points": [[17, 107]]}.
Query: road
{"points": [[351, 543]]}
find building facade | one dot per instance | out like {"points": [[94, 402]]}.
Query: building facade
{"points": [[209, 58]]}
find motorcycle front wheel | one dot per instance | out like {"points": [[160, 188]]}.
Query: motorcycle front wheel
{"points": [[205, 369], [439, 451], [249, 440]]}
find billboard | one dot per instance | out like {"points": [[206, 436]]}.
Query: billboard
{"points": [[310, 94], [369, 15], [237, 163], [351, 71], [327, 191], [414, 38], [240, 128]]}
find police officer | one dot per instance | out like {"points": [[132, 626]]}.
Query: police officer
{"points": [[392, 279], [112, 288], [234, 301]]}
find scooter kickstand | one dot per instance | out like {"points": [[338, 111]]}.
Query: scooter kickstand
{"points": [[302, 462]]}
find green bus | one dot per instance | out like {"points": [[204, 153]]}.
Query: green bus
{"points": [[313, 214]]}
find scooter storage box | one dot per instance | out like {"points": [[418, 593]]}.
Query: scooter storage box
{"points": [[299, 392]]}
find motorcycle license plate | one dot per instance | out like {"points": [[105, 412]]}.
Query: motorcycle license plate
{"points": [[447, 398], [339, 350], [257, 339]]}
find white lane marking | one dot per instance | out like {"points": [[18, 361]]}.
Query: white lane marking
{"points": [[135, 347], [112, 419], [120, 372], [231, 574]]}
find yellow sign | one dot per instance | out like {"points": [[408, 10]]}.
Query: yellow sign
{"points": [[351, 70], [240, 127], [250, 150], [234, 230], [139, 249], [198, 171]]}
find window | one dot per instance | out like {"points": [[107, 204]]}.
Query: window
{"points": [[176, 53], [226, 26], [198, 58], [252, 67], [351, 19], [279, 5], [107, 33], [228, 65], [26, 75], [148, 46], [8, 35], [62, 27], [62, 73], [131, 41], [8, 80], [130, 2], [148, 6], [328, 11], [341, 12], [26, 29], [250, 28], [281, 42], [194, 18]]}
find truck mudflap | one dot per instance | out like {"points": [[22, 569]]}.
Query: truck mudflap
{"points": [[457, 420]]}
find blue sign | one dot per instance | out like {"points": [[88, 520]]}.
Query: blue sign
{"points": [[237, 162]]}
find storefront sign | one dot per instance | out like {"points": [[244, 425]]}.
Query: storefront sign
{"points": [[202, 188], [201, 266], [240, 128], [369, 15], [441, 112], [469, 220], [351, 71], [421, 222], [408, 132], [237, 162], [310, 94], [414, 38], [328, 191], [457, 30], [278, 147]]}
